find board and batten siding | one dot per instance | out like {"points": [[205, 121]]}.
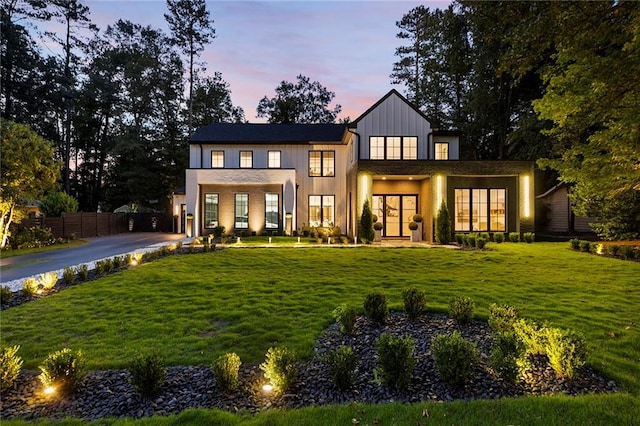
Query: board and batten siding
{"points": [[393, 117]]}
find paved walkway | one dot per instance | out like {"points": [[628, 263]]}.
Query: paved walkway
{"points": [[13, 270]]}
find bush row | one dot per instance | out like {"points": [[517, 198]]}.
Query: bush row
{"points": [[625, 251], [479, 240]]}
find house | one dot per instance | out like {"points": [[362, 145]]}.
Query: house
{"points": [[264, 178], [558, 216]]}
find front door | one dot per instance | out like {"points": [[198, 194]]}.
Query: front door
{"points": [[395, 212]]}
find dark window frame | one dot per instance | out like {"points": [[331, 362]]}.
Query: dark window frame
{"points": [[487, 212], [386, 148], [235, 210], [322, 197], [435, 152], [240, 166], [266, 222], [204, 210], [217, 151], [279, 166], [322, 162]]}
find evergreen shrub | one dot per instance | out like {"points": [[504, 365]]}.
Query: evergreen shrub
{"points": [[345, 317], [147, 374], [375, 306], [10, 365], [226, 370], [395, 360], [341, 365], [63, 370], [461, 309], [454, 357], [280, 368], [414, 302]]}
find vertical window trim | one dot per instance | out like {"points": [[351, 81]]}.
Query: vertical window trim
{"points": [[269, 166], [216, 151], [240, 159], [217, 210], [235, 210]]}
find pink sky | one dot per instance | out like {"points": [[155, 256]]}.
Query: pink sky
{"points": [[348, 46]]}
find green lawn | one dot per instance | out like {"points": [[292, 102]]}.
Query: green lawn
{"points": [[193, 308], [20, 252]]}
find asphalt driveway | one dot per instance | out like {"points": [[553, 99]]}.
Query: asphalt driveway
{"points": [[19, 267]]}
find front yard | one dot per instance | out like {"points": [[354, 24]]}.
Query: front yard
{"points": [[193, 308]]}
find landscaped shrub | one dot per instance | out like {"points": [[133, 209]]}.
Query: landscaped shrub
{"points": [[454, 357], [226, 370], [486, 236], [395, 360], [481, 243], [31, 237], [413, 226], [502, 317], [345, 317], [48, 280], [566, 351], [375, 306], [528, 237], [5, 295], [461, 309], [585, 246], [100, 268], [532, 336], [63, 371], [414, 302], [471, 239], [29, 287], [504, 355], [627, 252], [68, 275], [574, 244], [365, 230], [514, 237], [498, 237], [108, 265], [443, 225], [614, 249], [341, 365], [417, 218], [459, 239], [378, 226], [147, 374], [280, 368], [118, 262], [83, 272], [10, 365]]}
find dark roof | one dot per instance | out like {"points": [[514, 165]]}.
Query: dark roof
{"points": [[268, 133], [374, 106]]}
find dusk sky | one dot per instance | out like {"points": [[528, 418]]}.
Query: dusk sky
{"points": [[348, 46]]}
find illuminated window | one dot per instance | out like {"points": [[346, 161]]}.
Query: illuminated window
{"points": [[242, 211], [393, 148], [442, 151], [271, 211], [210, 210], [480, 210], [274, 159], [321, 210], [246, 159], [322, 163], [217, 159]]}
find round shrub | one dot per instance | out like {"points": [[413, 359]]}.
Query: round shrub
{"points": [[5, 295], [481, 243], [514, 237], [417, 218], [226, 370], [585, 246], [29, 287], [414, 302], [345, 317], [10, 365], [395, 360], [413, 226], [528, 237], [378, 226], [341, 365], [147, 374], [504, 356], [471, 239], [498, 237], [375, 306], [68, 275], [459, 239], [461, 309], [63, 371], [574, 244], [502, 317], [454, 357], [280, 368]]}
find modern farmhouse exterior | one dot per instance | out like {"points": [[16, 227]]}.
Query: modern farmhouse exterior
{"points": [[265, 178]]}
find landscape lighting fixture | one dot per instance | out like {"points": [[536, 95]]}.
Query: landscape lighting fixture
{"points": [[267, 388]]}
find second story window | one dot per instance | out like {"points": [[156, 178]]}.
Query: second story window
{"points": [[393, 148], [217, 159], [246, 159], [442, 150], [322, 163], [273, 159]]}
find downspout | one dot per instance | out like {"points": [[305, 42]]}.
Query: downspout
{"points": [[429, 137], [358, 139], [201, 156]]}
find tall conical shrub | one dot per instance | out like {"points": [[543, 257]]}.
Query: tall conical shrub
{"points": [[443, 225], [366, 223]]}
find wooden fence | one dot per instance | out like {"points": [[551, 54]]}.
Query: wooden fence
{"points": [[87, 225]]}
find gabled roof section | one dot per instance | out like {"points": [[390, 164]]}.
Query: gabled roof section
{"points": [[354, 123], [243, 133]]}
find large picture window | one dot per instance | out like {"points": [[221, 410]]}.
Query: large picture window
{"points": [[242, 211], [210, 210], [480, 210], [322, 163], [321, 210], [274, 159], [271, 211], [217, 159], [393, 148], [246, 159]]}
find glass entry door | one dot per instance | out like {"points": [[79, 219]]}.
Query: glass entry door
{"points": [[395, 212]]}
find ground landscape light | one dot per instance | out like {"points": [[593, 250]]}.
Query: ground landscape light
{"points": [[49, 390], [268, 387]]}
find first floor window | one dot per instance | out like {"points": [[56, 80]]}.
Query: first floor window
{"points": [[274, 159], [246, 159], [210, 210], [442, 151], [242, 211], [321, 210], [217, 159], [271, 211], [480, 210]]}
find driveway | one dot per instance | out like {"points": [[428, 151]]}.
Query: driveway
{"points": [[20, 267]]}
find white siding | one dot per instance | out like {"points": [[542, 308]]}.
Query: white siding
{"points": [[454, 146]]}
